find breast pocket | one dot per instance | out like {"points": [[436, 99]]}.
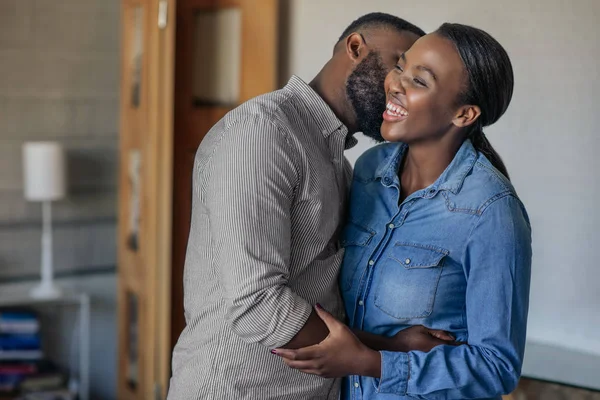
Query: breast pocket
{"points": [[355, 240], [408, 280]]}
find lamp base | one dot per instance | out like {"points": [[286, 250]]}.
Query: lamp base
{"points": [[45, 290]]}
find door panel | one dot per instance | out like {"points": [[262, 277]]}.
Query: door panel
{"points": [[162, 124], [198, 105]]}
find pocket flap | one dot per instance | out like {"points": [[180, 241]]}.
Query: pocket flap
{"points": [[412, 255]]}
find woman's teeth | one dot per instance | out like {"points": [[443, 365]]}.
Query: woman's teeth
{"points": [[396, 111]]}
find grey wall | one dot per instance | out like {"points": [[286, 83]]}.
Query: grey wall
{"points": [[59, 80]]}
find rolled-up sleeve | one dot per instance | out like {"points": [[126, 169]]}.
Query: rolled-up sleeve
{"points": [[498, 266], [248, 197]]}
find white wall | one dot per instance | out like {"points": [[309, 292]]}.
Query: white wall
{"points": [[548, 138]]}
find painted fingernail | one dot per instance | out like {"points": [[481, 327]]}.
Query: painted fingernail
{"points": [[319, 306], [273, 351]]}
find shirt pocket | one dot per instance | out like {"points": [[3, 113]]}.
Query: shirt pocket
{"points": [[355, 240], [408, 280]]}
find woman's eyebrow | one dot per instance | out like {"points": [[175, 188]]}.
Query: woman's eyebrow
{"points": [[421, 67], [429, 70]]}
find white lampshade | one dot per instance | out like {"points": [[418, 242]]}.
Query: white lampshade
{"points": [[44, 171]]}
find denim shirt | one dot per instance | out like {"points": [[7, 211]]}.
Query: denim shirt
{"points": [[454, 256]]}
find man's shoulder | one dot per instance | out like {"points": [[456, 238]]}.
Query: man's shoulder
{"points": [[259, 116], [272, 107], [261, 122]]}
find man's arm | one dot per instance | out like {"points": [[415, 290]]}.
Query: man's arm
{"points": [[313, 332], [249, 197], [416, 337]]}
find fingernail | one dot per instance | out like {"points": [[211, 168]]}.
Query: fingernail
{"points": [[273, 351], [319, 306]]}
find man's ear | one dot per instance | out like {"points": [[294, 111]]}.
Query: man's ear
{"points": [[356, 47], [466, 115]]}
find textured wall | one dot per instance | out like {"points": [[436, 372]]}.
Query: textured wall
{"points": [[59, 78]]}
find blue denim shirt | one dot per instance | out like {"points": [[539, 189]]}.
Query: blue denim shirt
{"points": [[454, 256]]}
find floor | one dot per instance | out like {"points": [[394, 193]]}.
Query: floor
{"points": [[530, 389]]}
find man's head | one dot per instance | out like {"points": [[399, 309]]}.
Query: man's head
{"points": [[366, 51]]}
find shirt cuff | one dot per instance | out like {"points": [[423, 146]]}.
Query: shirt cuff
{"points": [[395, 372], [289, 323]]}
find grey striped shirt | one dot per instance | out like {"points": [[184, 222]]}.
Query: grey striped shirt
{"points": [[270, 187]]}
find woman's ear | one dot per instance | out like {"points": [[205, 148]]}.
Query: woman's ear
{"points": [[466, 116], [356, 47]]}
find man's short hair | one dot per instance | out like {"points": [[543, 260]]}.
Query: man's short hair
{"points": [[381, 20]]}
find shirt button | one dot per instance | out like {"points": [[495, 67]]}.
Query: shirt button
{"points": [[391, 226], [407, 261], [360, 303], [371, 262], [356, 384], [387, 181]]}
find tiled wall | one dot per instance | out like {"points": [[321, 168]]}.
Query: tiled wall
{"points": [[59, 79]]}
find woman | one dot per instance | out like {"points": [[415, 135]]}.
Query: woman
{"points": [[436, 234]]}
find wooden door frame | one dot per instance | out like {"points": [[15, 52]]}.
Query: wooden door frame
{"points": [[152, 262], [166, 117], [160, 183]]}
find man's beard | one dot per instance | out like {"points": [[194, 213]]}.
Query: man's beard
{"points": [[366, 92]]}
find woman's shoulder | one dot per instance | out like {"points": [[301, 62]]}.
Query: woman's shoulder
{"points": [[483, 186]]}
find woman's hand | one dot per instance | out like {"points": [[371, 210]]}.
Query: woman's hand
{"points": [[340, 354]]}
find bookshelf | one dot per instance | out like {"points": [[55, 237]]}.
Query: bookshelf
{"points": [[66, 299]]}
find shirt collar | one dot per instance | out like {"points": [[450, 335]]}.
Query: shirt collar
{"points": [[451, 179], [323, 115]]}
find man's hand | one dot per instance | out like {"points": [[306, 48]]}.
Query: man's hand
{"points": [[340, 354], [419, 338], [413, 338]]}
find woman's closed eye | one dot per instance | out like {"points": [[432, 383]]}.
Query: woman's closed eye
{"points": [[419, 82]]}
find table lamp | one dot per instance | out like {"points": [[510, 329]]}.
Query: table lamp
{"points": [[44, 181]]}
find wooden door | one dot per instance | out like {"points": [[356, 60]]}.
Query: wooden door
{"points": [[145, 195], [242, 34], [163, 120]]}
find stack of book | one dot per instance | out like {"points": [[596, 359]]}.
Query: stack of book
{"points": [[22, 366], [19, 336]]}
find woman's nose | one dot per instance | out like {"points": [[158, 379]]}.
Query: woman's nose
{"points": [[397, 86]]}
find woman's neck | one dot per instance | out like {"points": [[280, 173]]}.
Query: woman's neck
{"points": [[423, 164]]}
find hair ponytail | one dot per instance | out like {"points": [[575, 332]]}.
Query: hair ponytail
{"points": [[489, 85], [483, 145]]}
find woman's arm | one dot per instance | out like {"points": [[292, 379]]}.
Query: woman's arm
{"points": [[345, 353], [498, 266]]}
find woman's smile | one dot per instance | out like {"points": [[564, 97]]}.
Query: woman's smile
{"points": [[395, 111]]}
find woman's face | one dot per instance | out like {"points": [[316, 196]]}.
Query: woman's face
{"points": [[422, 92]]}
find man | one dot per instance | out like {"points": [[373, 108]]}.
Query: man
{"points": [[270, 186]]}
